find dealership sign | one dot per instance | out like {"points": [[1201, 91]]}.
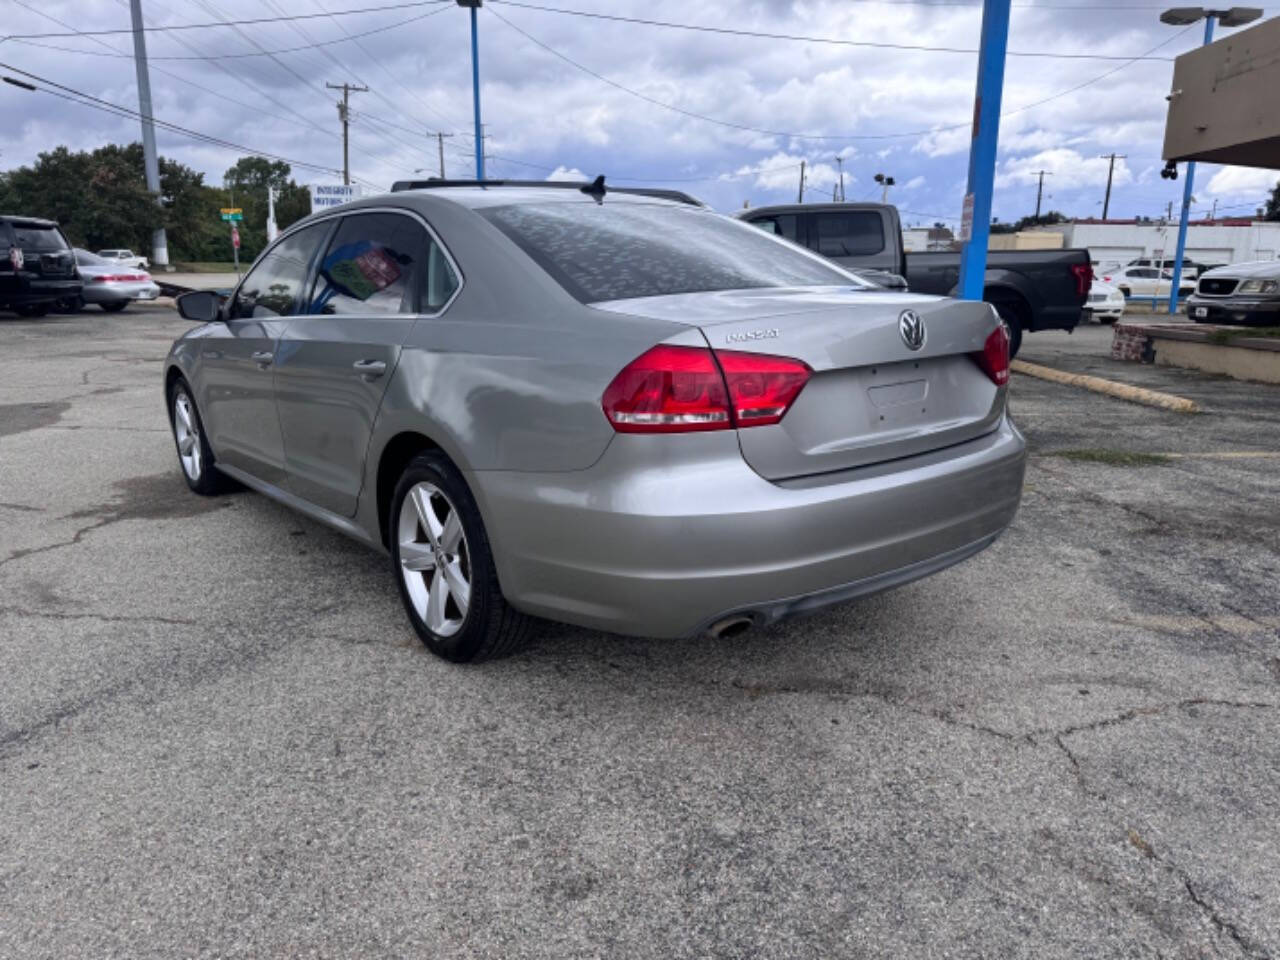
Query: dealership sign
{"points": [[333, 195]]}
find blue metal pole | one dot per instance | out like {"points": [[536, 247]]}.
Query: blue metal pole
{"points": [[1186, 203], [982, 152], [475, 95]]}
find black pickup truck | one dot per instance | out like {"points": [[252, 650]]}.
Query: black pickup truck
{"points": [[37, 266], [1032, 289]]}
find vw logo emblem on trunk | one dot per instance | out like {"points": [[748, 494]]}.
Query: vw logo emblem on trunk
{"points": [[911, 326]]}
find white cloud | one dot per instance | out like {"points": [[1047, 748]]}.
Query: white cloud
{"points": [[1242, 182], [567, 173]]}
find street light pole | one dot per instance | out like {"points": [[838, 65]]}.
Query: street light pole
{"points": [[474, 5], [150, 161], [975, 228], [1182, 16]]}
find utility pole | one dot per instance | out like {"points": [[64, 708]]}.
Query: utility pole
{"points": [[273, 231], [800, 199], [440, 140], [840, 164], [1168, 213], [473, 5], [1111, 169], [150, 160], [344, 114], [1040, 191], [1214, 215]]}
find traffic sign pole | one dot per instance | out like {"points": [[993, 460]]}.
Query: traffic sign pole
{"points": [[235, 247]]}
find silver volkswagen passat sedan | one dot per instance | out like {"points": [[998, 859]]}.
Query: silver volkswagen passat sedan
{"points": [[613, 408]]}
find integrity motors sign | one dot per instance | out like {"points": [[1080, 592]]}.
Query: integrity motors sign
{"points": [[333, 195]]}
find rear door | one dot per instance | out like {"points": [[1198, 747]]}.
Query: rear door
{"points": [[237, 358], [380, 271]]}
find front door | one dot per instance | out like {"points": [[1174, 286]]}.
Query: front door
{"points": [[238, 358], [381, 270]]}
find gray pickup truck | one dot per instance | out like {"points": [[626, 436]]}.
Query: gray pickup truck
{"points": [[1032, 289]]}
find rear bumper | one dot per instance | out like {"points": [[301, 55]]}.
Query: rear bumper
{"points": [[22, 291], [115, 292], [661, 539], [1229, 310]]}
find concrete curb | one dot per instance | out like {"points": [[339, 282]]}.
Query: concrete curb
{"points": [[1121, 391]]}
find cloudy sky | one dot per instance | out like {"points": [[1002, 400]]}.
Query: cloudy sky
{"points": [[726, 117]]}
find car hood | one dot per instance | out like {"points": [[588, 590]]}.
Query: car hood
{"points": [[107, 269], [1267, 269]]}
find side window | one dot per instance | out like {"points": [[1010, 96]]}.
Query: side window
{"points": [[852, 234], [372, 266], [272, 287], [783, 225], [441, 280]]}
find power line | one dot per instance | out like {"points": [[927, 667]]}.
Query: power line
{"points": [[88, 100], [804, 136], [762, 35], [231, 23], [209, 58]]}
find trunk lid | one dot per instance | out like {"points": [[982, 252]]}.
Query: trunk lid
{"points": [[871, 397]]}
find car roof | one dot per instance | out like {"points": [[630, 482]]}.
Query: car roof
{"points": [[31, 221], [778, 208], [492, 193]]}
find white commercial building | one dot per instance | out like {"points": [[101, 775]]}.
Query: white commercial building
{"points": [[1212, 242]]}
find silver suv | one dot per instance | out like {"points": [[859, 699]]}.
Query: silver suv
{"points": [[611, 408]]}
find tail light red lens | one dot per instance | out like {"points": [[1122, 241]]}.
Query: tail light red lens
{"points": [[1084, 278], [117, 278], [668, 390], [994, 358], [679, 389], [761, 388]]}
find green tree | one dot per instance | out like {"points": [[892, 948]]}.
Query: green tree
{"points": [[246, 184], [1272, 209]]}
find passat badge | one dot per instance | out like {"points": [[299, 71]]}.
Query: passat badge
{"points": [[746, 336], [911, 326]]}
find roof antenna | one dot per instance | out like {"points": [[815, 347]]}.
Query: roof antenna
{"points": [[595, 189]]}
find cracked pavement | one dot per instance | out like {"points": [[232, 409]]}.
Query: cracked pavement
{"points": [[219, 737]]}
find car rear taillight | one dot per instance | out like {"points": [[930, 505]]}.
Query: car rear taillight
{"points": [[668, 390], [994, 356], [672, 389], [761, 388], [117, 278], [1084, 277]]}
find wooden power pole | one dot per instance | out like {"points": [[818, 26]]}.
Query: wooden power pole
{"points": [[344, 114], [1111, 169]]}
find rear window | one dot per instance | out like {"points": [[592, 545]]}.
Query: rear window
{"points": [[848, 234], [39, 239], [622, 251]]}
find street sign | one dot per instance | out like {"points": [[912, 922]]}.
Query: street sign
{"points": [[966, 219], [232, 213], [333, 194]]}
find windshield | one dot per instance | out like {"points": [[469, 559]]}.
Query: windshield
{"points": [[622, 251], [86, 259], [38, 239]]}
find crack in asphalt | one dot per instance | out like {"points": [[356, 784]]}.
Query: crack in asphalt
{"points": [[76, 538], [1224, 925], [102, 617]]}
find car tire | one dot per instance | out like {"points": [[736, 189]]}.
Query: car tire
{"points": [[114, 306], [70, 305], [456, 607], [195, 457]]}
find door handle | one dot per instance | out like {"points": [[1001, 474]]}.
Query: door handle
{"points": [[370, 369], [263, 358]]}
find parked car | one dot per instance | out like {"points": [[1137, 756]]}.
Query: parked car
{"points": [[1032, 289], [124, 258], [612, 408], [1146, 282], [1242, 293], [109, 285], [38, 268], [1106, 302], [1190, 268]]}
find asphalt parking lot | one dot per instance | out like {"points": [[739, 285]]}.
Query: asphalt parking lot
{"points": [[219, 736]]}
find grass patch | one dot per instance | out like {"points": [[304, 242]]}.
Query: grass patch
{"points": [[1224, 337], [206, 267], [1113, 458]]}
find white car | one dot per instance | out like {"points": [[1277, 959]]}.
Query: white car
{"points": [[1146, 282], [1105, 303], [124, 258]]}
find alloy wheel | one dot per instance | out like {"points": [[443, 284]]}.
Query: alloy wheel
{"points": [[434, 559], [186, 431]]}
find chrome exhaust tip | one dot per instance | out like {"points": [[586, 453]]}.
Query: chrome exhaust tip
{"points": [[731, 626]]}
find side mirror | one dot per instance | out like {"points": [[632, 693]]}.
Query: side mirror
{"points": [[202, 306]]}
